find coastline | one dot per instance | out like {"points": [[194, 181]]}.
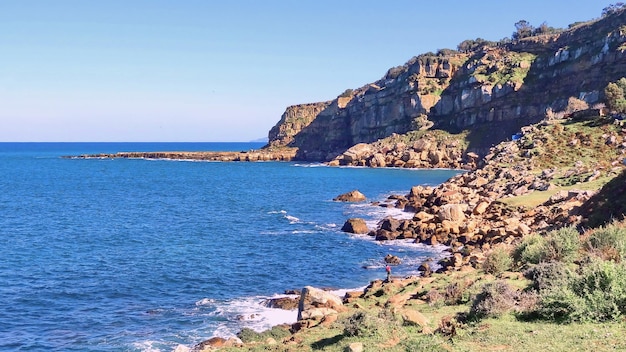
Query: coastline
{"points": [[284, 154], [268, 315], [264, 309], [475, 213]]}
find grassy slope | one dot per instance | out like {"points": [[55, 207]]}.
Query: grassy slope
{"points": [[557, 151], [384, 329], [493, 334]]}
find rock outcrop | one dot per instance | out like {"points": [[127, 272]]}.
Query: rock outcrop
{"points": [[266, 154], [492, 92], [352, 196], [470, 213], [355, 225]]}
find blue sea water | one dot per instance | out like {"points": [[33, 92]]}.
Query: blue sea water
{"points": [[144, 255]]}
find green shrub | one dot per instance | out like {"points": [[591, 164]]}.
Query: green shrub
{"points": [[346, 93], [559, 304], [562, 245], [498, 261], [495, 299], [423, 342], [615, 94], [548, 275], [608, 242], [597, 294], [363, 324], [530, 250], [277, 333]]}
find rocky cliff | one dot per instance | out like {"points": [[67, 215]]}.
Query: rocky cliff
{"points": [[489, 93]]}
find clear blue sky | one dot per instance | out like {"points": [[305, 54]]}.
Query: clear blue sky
{"points": [[209, 70]]}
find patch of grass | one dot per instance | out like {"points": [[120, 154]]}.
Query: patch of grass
{"points": [[509, 67], [537, 198], [513, 335]]}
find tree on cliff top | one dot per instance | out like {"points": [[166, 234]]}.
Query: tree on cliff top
{"points": [[523, 29], [613, 8], [615, 95]]}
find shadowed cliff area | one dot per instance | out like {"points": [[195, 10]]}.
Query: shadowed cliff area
{"points": [[607, 205]]}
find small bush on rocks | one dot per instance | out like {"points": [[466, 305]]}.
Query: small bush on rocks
{"points": [[277, 333], [498, 261], [608, 242]]}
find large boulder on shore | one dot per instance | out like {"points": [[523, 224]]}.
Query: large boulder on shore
{"points": [[452, 212], [355, 225], [352, 196], [287, 303], [356, 153], [313, 298]]}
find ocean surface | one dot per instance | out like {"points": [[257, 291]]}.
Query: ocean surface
{"points": [[144, 255]]}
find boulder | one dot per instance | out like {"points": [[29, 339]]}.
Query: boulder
{"points": [[384, 235], [425, 269], [316, 313], [378, 160], [421, 145], [481, 207], [356, 153], [355, 225], [392, 259], [182, 348], [423, 216], [210, 344], [287, 303], [452, 212], [313, 298], [390, 224], [355, 347], [352, 196], [413, 317]]}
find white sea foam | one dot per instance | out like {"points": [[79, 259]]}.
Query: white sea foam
{"points": [[311, 165], [205, 302], [249, 312], [296, 232], [292, 219], [146, 346]]}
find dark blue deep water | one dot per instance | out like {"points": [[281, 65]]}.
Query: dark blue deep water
{"points": [[139, 255]]}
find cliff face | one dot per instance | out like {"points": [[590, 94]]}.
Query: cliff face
{"points": [[491, 93]]}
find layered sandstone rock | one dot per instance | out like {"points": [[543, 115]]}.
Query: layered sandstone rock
{"points": [[493, 92]]}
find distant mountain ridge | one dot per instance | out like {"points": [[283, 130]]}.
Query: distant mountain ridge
{"points": [[490, 92]]}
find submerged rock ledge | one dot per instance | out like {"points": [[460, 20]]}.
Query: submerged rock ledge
{"points": [[284, 154]]}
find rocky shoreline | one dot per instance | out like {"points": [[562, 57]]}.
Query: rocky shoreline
{"points": [[472, 215], [282, 154], [530, 185]]}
